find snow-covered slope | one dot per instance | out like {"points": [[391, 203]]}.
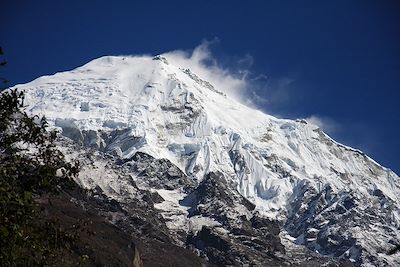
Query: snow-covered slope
{"points": [[329, 197]]}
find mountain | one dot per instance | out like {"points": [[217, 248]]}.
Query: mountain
{"points": [[228, 182]]}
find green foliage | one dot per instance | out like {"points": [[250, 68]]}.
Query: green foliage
{"points": [[2, 64], [30, 167]]}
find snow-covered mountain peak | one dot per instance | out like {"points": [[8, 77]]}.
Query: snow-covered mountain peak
{"points": [[169, 104], [290, 170]]}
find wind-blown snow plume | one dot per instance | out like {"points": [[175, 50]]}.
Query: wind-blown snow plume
{"points": [[202, 62], [326, 124]]}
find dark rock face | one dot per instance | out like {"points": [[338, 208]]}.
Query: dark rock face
{"points": [[158, 173], [214, 197], [243, 244], [242, 239], [323, 221], [320, 232]]}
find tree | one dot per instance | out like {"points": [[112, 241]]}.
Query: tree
{"points": [[3, 81], [30, 166]]}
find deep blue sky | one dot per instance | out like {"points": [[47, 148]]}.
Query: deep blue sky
{"points": [[338, 60]]}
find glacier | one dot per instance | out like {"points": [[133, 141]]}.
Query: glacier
{"points": [[328, 197]]}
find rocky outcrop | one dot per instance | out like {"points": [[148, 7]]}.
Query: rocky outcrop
{"points": [[107, 243], [158, 173]]}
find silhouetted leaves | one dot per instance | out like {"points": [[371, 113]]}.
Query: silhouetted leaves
{"points": [[30, 166], [2, 64]]}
